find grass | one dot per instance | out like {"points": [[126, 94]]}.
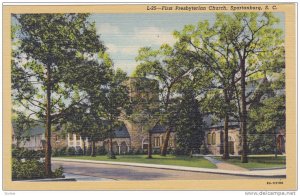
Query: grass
{"points": [[255, 162], [157, 159]]}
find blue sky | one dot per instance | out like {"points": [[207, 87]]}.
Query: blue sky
{"points": [[124, 34]]}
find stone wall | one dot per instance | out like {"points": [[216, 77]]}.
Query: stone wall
{"points": [[217, 148]]}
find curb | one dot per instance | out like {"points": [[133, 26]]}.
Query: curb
{"points": [[270, 168], [181, 168], [49, 180]]}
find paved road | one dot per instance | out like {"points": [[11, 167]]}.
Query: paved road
{"points": [[119, 172]]}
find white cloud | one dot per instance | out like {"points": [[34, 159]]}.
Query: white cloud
{"points": [[128, 66], [107, 28], [112, 48], [154, 35], [125, 50], [132, 50]]}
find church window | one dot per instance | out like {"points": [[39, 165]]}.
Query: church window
{"points": [[213, 138], [209, 139], [156, 141]]}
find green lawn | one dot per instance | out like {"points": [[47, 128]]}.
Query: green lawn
{"points": [[257, 161], [157, 159]]}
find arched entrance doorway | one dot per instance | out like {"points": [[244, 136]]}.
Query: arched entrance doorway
{"points": [[145, 144], [115, 147], [106, 146], [123, 148]]}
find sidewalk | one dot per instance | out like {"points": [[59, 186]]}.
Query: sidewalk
{"points": [[274, 173], [225, 166]]}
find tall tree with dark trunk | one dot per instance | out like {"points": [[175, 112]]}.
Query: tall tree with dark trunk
{"points": [[169, 69], [51, 52], [145, 110], [207, 48], [111, 103], [235, 48]]}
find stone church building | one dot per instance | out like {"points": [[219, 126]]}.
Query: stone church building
{"points": [[130, 137]]}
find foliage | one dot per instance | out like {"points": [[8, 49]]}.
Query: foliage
{"points": [[101, 150], [78, 151], [203, 149], [145, 111], [189, 124], [31, 169], [237, 48], [265, 121], [21, 126], [56, 55], [59, 152], [261, 143], [71, 151], [169, 67], [23, 153]]}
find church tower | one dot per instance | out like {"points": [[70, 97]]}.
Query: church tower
{"points": [[142, 91]]}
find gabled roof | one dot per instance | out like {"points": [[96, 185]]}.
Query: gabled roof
{"points": [[38, 129], [210, 124], [158, 129], [121, 132]]}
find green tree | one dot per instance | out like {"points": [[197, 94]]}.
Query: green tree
{"points": [[267, 113], [111, 104], [169, 68], [189, 125], [214, 56], [50, 62], [235, 48], [21, 126], [145, 108]]}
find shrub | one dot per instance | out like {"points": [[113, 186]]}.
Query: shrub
{"points": [[130, 152], [179, 151], [88, 151], [58, 173], [101, 150], [78, 150], [31, 169], [138, 151], [156, 151], [63, 151], [71, 151], [22, 153], [203, 150], [170, 151], [55, 153], [145, 151]]}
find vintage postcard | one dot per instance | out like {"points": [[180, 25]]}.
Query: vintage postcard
{"points": [[149, 97]]}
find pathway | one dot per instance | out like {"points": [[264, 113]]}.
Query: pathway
{"points": [[225, 166]]}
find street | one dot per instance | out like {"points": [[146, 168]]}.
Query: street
{"points": [[95, 171]]}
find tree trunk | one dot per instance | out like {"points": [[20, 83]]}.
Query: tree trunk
{"points": [[84, 149], [226, 146], [244, 157], [93, 153], [111, 152], [276, 150], [150, 145], [48, 170], [166, 141]]}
